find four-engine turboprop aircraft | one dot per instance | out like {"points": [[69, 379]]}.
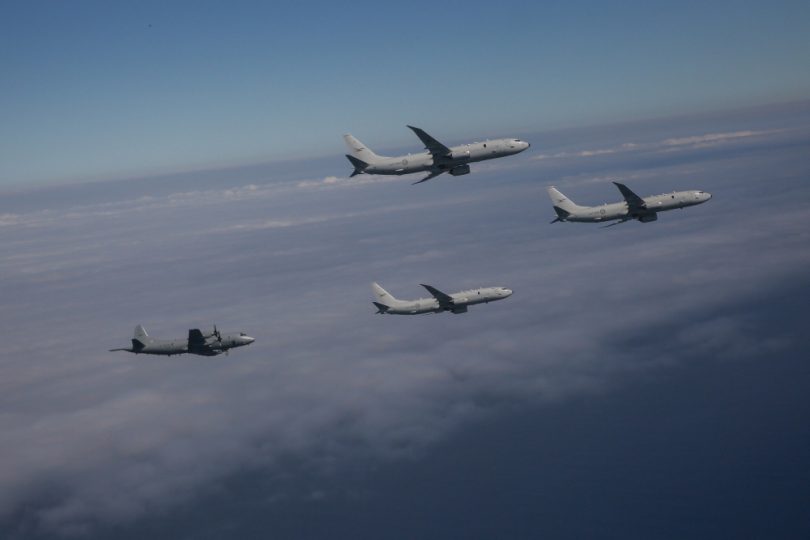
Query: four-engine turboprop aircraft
{"points": [[197, 343], [454, 303], [644, 209], [437, 158]]}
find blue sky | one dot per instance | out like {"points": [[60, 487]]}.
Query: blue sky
{"points": [[97, 90]]}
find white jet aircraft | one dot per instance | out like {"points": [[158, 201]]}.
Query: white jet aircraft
{"points": [[454, 303], [436, 159], [644, 209]]}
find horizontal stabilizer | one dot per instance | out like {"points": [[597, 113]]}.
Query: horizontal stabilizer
{"points": [[562, 215], [359, 165], [381, 308]]}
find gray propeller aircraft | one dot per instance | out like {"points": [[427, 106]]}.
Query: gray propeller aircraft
{"points": [[454, 303], [436, 159], [644, 209], [197, 343]]}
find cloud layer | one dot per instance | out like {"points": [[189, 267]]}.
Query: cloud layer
{"points": [[91, 438]]}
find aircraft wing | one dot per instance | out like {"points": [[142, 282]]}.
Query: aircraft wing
{"points": [[615, 223], [196, 342], [634, 202], [431, 145], [433, 174], [445, 300]]}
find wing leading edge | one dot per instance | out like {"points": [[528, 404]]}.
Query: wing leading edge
{"points": [[431, 145], [445, 300], [634, 202], [433, 174]]}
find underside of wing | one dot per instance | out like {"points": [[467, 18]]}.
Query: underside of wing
{"points": [[614, 223], [196, 342], [433, 174], [431, 145], [634, 202], [445, 300]]}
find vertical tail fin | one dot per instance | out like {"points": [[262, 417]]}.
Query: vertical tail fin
{"points": [[561, 201], [141, 335], [383, 297], [360, 150]]}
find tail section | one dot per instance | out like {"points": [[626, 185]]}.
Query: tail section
{"points": [[561, 201], [140, 339], [384, 298], [381, 308], [562, 215], [360, 151], [359, 166], [563, 206]]}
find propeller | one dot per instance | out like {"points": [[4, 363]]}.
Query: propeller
{"points": [[217, 334]]}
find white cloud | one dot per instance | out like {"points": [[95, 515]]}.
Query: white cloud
{"points": [[676, 143], [91, 437], [712, 138]]}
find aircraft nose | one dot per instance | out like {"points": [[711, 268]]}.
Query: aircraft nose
{"points": [[248, 339], [508, 292]]}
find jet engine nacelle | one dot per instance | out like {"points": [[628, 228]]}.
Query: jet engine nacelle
{"points": [[648, 217], [460, 170]]}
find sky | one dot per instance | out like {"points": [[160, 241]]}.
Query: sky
{"points": [[647, 380], [98, 90], [181, 165]]}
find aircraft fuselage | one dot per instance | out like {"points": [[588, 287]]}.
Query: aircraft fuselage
{"points": [[460, 302], [197, 343], [454, 163], [652, 205]]}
